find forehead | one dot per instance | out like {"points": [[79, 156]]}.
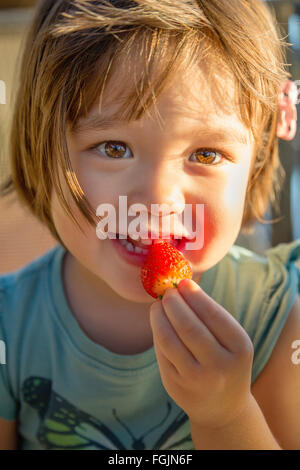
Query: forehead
{"points": [[200, 95]]}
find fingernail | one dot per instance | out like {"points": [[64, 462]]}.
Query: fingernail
{"points": [[189, 284], [184, 283]]}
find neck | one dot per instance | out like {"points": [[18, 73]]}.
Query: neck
{"points": [[119, 325]]}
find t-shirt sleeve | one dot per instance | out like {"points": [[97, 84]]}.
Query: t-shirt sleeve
{"points": [[8, 405], [278, 286]]}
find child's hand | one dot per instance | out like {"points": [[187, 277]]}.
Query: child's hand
{"points": [[204, 355]]}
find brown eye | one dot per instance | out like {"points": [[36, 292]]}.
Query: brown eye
{"points": [[208, 157], [113, 150]]}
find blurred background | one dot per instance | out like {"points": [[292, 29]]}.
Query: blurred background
{"points": [[22, 238]]}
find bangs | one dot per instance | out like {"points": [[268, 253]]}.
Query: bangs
{"points": [[148, 59], [142, 63]]}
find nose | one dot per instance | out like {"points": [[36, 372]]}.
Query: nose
{"points": [[158, 190]]}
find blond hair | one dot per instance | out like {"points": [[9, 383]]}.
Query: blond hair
{"points": [[72, 50]]}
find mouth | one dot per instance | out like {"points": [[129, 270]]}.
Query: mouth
{"points": [[135, 252]]}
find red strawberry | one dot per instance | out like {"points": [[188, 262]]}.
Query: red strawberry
{"points": [[164, 267]]}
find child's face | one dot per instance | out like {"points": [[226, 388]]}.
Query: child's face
{"points": [[158, 165]]}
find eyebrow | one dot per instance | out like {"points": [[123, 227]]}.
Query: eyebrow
{"points": [[226, 134]]}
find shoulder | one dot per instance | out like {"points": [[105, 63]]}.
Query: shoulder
{"points": [[268, 267], [22, 294], [18, 288], [243, 276]]}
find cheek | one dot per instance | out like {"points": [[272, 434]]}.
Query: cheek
{"points": [[231, 192], [94, 189], [72, 235], [63, 223], [235, 194], [227, 198], [93, 179], [99, 185], [223, 212]]}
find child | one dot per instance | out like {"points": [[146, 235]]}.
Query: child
{"points": [[164, 102]]}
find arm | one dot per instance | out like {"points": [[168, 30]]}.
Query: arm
{"points": [[8, 435], [276, 390]]}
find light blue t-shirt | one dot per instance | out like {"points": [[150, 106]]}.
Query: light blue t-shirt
{"points": [[67, 392]]}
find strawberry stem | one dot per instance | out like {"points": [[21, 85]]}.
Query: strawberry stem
{"points": [[160, 296]]}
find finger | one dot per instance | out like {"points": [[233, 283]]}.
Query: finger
{"points": [[165, 366], [168, 341], [191, 329], [226, 329]]}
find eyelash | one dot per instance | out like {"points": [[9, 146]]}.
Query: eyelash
{"points": [[205, 149]]}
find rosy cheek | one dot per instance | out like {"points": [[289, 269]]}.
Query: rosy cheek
{"points": [[205, 228], [234, 197], [221, 227]]}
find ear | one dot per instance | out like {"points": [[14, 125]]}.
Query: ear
{"points": [[287, 118]]}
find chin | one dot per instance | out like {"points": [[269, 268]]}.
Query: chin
{"points": [[137, 295]]}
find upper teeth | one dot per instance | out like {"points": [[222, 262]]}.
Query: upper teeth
{"points": [[130, 247], [137, 249], [149, 241], [146, 241]]}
